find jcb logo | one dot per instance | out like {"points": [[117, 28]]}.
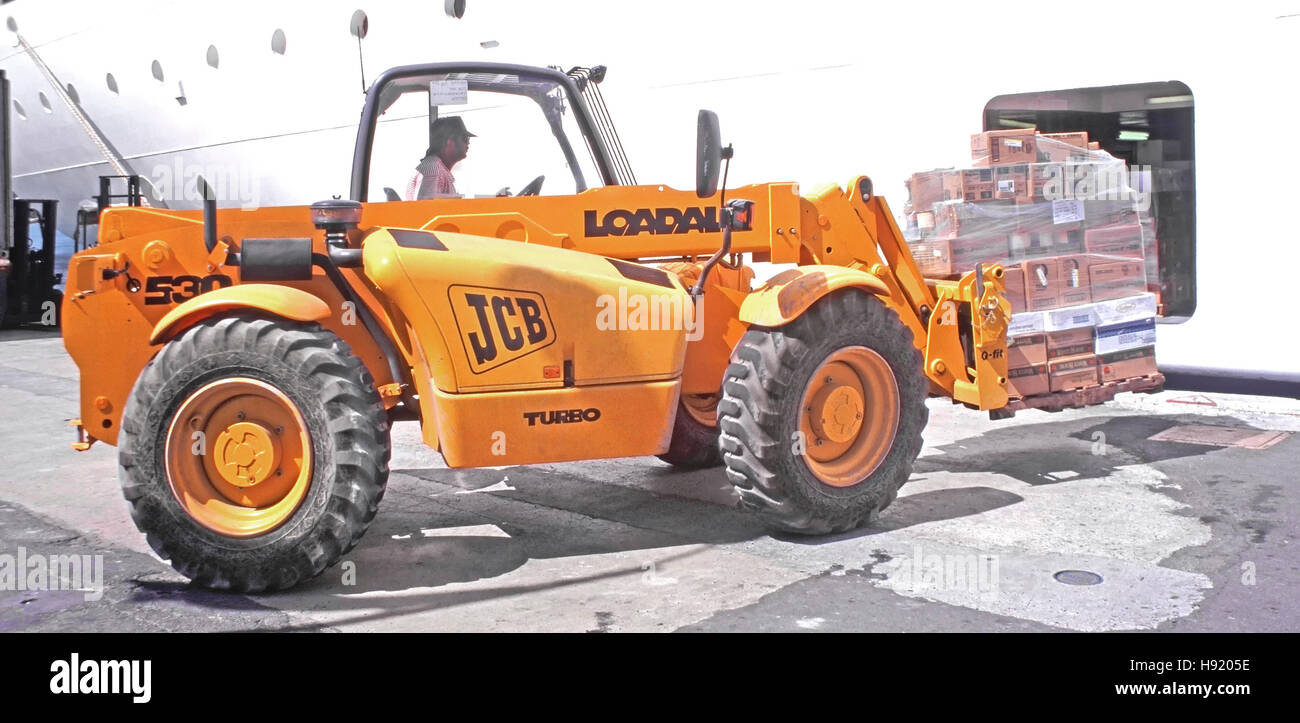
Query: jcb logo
{"points": [[500, 325]]}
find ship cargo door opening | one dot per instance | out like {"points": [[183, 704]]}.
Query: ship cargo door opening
{"points": [[1150, 126]]}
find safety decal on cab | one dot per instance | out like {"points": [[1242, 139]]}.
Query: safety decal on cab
{"points": [[498, 326]]}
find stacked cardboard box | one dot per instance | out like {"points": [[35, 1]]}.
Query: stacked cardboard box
{"points": [[1070, 200], [1063, 219], [1027, 365], [1072, 360], [1075, 347], [998, 148]]}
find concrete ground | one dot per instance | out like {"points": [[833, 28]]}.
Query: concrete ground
{"points": [[1177, 536]]}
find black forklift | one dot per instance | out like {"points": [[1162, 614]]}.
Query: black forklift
{"points": [[28, 274]]}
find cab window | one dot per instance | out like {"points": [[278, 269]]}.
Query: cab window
{"points": [[524, 136]]}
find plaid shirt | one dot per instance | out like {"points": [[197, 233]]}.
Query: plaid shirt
{"points": [[431, 180]]}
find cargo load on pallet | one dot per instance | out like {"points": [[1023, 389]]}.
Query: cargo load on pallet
{"points": [[1068, 223]]}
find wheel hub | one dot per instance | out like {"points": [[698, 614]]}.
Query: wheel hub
{"points": [[246, 454], [703, 408], [239, 460], [849, 416], [837, 409]]}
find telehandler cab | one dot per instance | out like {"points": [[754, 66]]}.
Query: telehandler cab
{"points": [[248, 364]]}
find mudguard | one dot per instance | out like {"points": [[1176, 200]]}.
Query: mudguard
{"points": [[788, 294], [283, 301]]}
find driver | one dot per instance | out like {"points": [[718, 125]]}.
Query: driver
{"points": [[449, 144]]}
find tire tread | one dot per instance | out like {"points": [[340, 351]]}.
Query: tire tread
{"points": [[359, 452], [770, 479]]}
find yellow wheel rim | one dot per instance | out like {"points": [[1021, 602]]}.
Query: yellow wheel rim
{"points": [[238, 457], [849, 416], [703, 408]]}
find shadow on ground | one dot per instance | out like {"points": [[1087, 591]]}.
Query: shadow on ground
{"points": [[1061, 452], [537, 513], [25, 333]]}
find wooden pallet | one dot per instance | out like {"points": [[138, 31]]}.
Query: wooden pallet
{"points": [[1088, 396]]}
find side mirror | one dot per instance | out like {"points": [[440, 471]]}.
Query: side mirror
{"points": [[708, 154]]}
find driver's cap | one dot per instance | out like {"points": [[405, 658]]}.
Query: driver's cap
{"points": [[452, 125]]}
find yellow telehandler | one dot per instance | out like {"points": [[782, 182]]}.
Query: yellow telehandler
{"points": [[248, 364]]}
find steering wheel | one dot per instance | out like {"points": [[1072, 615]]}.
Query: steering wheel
{"points": [[533, 187]]}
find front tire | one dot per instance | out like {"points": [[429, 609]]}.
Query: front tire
{"points": [[254, 452], [822, 418]]}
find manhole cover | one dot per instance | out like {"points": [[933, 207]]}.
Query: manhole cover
{"points": [[1220, 436], [1077, 577]]}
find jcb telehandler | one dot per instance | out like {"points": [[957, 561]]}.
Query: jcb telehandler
{"points": [[248, 364]]}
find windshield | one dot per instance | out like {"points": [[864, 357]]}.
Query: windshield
{"points": [[476, 135]]}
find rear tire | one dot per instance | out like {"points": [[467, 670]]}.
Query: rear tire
{"points": [[694, 444], [274, 377], [764, 414]]}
